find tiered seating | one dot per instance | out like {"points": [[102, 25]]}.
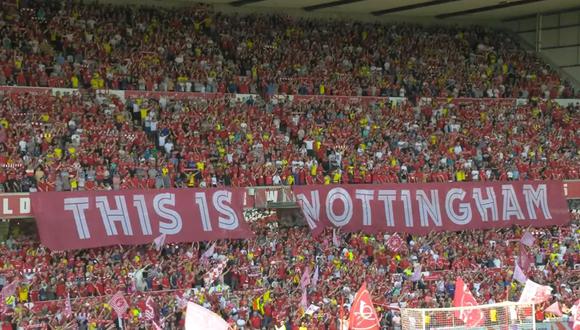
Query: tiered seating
{"points": [[275, 265]]}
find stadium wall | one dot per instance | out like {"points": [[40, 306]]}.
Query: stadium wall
{"points": [[556, 36]]}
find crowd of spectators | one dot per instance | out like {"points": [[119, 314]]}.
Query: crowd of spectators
{"points": [[260, 286], [69, 44], [314, 117], [85, 142]]}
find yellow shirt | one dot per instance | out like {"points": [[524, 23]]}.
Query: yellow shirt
{"points": [[23, 294], [74, 82]]}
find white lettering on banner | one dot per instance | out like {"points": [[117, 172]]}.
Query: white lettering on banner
{"points": [[5, 207], [230, 219], [537, 199], [342, 195], [170, 221], [458, 205], [366, 196], [110, 216], [486, 204], [272, 195], [143, 213], [25, 205], [408, 207], [511, 207], [78, 206], [429, 209], [175, 223], [388, 197], [465, 214], [201, 201], [311, 210]]}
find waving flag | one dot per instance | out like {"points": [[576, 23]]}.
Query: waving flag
{"points": [[576, 315], [150, 313], [9, 289], [395, 242], [315, 277], [463, 298], [209, 252], [199, 318], [554, 309], [528, 239], [335, 239], [159, 241], [305, 279], [118, 303], [525, 260], [362, 312], [416, 274], [304, 299], [215, 272], [67, 307], [535, 293], [519, 275]]}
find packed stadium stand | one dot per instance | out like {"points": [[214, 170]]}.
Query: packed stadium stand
{"points": [[99, 98]]}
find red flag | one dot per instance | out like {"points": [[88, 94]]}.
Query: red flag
{"points": [[395, 242], [554, 309], [362, 312], [464, 298]]}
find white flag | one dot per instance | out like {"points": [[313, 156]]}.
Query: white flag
{"points": [[159, 241], [199, 318]]}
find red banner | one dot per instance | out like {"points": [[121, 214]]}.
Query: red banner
{"points": [[423, 208], [102, 218], [15, 206]]}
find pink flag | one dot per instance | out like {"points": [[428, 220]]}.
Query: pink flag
{"points": [[118, 303], [200, 318], [395, 242], [576, 315], [528, 239], [150, 313], [554, 309], [209, 252], [159, 241], [304, 299], [9, 289], [67, 307], [525, 260], [305, 280], [335, 239], [519, 275], [535, 293], [417, 273], [315, 277]]}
